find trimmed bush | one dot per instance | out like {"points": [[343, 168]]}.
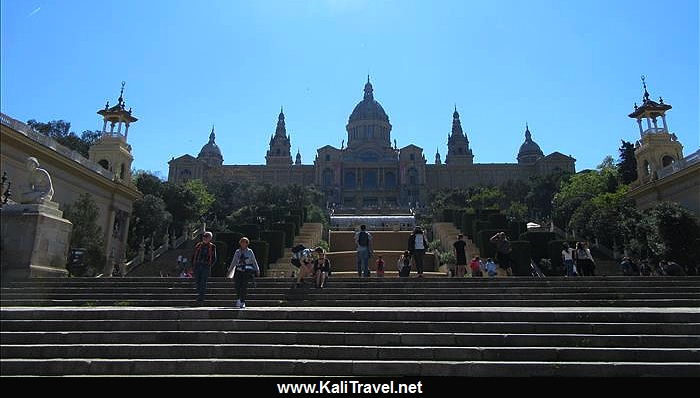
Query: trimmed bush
{"points": [[305, 214], [261, 250], [250, 231], [498, 221], [448, 215], [458, 214], [288, 230], [231, 240], [486, 248], [222, 259], [539, 242], [294, 220], [276, 241], [480, 225], [521, 256], [467, 226], [485, 213], [516, 228]]}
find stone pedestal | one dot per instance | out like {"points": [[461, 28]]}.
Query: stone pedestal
{"points": [[35, 241]]}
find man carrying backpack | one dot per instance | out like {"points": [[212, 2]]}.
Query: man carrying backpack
{"points": [[363, 239]]}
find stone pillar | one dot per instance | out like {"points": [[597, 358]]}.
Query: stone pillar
{"points": [[104, 126], [663, 119], [35, 241], [655, 125], [109, 241], [639, 122]]}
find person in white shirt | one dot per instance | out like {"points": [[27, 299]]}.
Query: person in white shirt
{"points": [[242, 268], [567, 257]]}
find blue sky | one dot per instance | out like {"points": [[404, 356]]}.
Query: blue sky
{"points": [[570, 69]]}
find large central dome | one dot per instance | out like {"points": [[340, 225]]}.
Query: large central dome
{"points": [[368, 108]]}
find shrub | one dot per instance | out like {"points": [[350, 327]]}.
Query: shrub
{"points": [[276, 242], [288, 230], [521, 256], [261, 250], [539, 241]]}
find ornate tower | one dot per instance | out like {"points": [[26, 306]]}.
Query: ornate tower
{"points": [[458, 151], [368, 124], [210, 153], [298, 159], [280, 145], [529, 152], [112, 151], [657, 147], [437, 157]]}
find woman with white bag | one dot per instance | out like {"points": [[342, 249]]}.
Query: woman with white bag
{"points": [[242, 268]]}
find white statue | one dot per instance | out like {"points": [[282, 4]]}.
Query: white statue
{"points": [[40, 186]]}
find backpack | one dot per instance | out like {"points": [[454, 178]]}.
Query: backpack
{"points": [[363, 239]]}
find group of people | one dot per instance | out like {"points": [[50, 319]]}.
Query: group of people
{"points": [[417, 246], [649, 268], [578, 261], [314, 264], [242, 268], [479, 266]]}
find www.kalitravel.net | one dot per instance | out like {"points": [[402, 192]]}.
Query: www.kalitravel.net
{"points": [[350, 387]]}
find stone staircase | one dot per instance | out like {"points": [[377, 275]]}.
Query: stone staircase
{"points": [[599, 326], [309, 236], [447, 233]]}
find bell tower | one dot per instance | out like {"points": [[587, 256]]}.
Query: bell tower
{"points": [[111, 150]]}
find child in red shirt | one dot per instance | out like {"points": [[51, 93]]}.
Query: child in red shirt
{"points": [[380, 267]]}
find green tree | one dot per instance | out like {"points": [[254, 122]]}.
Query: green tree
{"points": [[148, 218], [59, 130], [671, 232], [486, 198], [87, 234], [148, 183], [627, 163]]}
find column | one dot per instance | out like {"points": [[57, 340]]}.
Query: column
{"points": [[104, 127], [108, 238], [663, 118], [654, 120], [639, 122], [126, 132], [648, 123]]}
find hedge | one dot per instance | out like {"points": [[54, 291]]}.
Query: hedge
{"points": [[250, 231], [276, 241], [288, 229], [521, 256], [295, 221], [448, 215], [498, 221], [231, 240], [486, 248], [467, 226], [458, 214], [516, 228], [222, 259], [478, 226], [539, 241], [261, 250], [485, 213]]}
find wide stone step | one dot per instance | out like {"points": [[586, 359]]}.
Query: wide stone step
{"points": [[184, 302], [341, 338], [350, 326], [398, 315], [330, 352], [184, 366]]}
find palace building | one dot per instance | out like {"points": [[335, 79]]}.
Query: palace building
{"points": [[369, 171]]}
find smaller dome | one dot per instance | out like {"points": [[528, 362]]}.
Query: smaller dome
{"points": [[529, 150], [210, 149]]}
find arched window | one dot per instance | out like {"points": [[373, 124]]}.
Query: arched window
{"points": [[104, 163], [667, 160], [349, 180], [278, 152], [412, 156], [121, 171], [328, 158], [647, 168], [327, 177]]}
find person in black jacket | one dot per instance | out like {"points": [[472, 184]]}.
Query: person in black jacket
{"points": [[416, 246]]}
